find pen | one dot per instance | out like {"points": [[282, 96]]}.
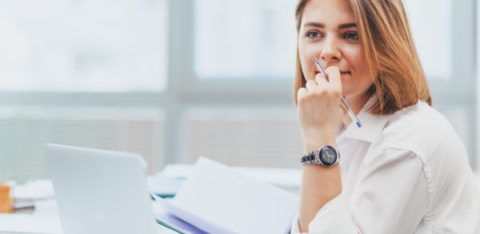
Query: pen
{"points": [[349, 110]]}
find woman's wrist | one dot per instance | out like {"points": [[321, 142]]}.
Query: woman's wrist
{"points": [[314, 142]]}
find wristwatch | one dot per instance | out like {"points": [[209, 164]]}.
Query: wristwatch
{"points": [[326, 156]]}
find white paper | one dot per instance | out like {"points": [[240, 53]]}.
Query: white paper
{"points": [[281, 177], [197, 221], [34, 190], [216, 196]]}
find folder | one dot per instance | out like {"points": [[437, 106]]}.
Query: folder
{"points": [[218, 199]]}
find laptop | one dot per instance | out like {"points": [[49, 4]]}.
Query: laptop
{"points": [[100, 191]]}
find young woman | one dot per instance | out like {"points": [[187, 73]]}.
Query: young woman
{"points": [[404, 170]]}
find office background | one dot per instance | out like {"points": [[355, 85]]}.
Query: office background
{"points": [[176, 79]]}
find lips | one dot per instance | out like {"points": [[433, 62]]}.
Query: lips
{"points": [[341, 72]]}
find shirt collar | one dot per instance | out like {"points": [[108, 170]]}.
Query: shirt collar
{"points": [[372, 125]]}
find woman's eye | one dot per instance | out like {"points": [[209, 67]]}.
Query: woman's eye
{"points": [[312, 35], [351, 36]]}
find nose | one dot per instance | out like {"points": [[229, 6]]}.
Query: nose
{"points": [[330, 52]]}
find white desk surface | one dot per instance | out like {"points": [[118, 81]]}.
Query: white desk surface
{"points": [[43, 220]]}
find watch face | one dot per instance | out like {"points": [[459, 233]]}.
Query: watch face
{"points": [[328, 155]]}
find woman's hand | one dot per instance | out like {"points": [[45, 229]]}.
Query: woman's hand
{"points": [[319, 109]]}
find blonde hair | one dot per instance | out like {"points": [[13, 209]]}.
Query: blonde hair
{"points": [[390, 54]]}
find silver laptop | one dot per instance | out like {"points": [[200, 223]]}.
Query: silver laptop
{"points": [[100, 191]]}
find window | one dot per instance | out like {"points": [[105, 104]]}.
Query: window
{"points": [[432, 32], [25, 131], [244, 39], [243, 136], [173, 79], [85, 45], [82, 72]]}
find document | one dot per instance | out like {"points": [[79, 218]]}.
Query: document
{"points": [[218, 199]]}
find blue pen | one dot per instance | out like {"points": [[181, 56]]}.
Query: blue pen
{"points": [[349, 110]]}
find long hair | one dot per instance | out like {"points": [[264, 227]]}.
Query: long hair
{"points": [[389, 51]]}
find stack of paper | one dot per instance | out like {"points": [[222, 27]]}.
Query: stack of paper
{"points": [[28, 194], [219, 199]]}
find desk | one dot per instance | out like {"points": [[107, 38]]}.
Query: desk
{"points": [[43, 220]]}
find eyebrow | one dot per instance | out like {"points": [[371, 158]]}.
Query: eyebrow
{"points": [[320, 25]]}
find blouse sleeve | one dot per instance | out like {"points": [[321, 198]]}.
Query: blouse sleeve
{"points": [[390, 196]]}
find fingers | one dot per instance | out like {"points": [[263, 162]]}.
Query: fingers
{"points": [[334, 76], [332, 79], [321, 84], [302, 92], [311, 85], [317, 85], [321, 80], [343, 109]]}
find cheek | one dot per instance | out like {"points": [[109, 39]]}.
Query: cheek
{"points": [[358, 64], [305, 62], [355, 58], [305, 52], [308, 69]]}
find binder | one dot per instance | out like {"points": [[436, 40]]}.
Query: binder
{"points": [[218, 199]]}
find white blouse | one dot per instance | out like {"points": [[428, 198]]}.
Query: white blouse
{"points": [[402, 173]]}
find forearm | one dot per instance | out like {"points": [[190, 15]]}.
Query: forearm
{"points": [[320, 112], [319, 185]]}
